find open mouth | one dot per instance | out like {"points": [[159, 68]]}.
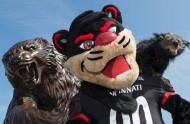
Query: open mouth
{"points": [[28, 73], [173, 50], [117, 68]]}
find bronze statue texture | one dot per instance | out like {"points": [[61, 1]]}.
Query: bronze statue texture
{"points": [[43, 86]]}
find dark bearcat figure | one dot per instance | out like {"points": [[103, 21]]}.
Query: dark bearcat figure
{"points": [[42, 85], [154, 54], [153, 57]]}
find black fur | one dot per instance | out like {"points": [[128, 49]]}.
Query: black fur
{"points": [[154, 54], [179, 108], [153, 57]]}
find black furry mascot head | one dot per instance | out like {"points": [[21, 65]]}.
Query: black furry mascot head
{"points": [[154, 54], [99, 49], [101, 52]]}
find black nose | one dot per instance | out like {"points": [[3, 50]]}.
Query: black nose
{"points": [[175, 44]]}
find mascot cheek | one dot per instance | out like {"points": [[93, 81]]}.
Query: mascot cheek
{"points": [[76, 65], [132, 46], [98, 65]]}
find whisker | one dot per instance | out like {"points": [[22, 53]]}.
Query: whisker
{"points": [[97, 58], [127, 43], [96, 52], [121, 41], [82, 66]]}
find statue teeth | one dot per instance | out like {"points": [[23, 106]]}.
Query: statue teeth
{"points": [[27, 68]]}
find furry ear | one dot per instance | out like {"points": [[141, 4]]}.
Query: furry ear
{"points": [[160, 38], [60, 40], [113, 12]]}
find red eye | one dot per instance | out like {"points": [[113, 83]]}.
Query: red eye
{"points": [[87, 44]]}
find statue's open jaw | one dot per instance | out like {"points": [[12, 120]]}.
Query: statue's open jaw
{"points": [[28, 73]]}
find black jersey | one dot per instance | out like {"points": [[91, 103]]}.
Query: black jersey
{"points": [[150, 92]]}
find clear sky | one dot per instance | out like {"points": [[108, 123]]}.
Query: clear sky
{"points": [[27, 19]]}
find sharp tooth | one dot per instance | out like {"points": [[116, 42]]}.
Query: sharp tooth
{"points": [[27, 69]]}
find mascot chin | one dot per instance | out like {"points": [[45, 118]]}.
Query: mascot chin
{"points": [[102, 54]]}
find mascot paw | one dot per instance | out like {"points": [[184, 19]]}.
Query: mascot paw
{"points": [[126, 104]]}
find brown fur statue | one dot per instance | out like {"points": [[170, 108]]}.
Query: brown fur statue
{"points": [[42, 85], [154, 54]]}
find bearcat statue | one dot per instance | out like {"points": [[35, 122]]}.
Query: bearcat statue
{"points": [[43, 86]]}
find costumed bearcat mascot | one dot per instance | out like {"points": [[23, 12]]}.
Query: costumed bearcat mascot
{"points": [[153, 57], [43, 86], [102, 53]]}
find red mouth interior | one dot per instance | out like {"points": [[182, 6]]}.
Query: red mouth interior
{"points": [[115, 67]]}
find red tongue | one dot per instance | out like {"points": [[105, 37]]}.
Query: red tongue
{"points": [[115, 67]]}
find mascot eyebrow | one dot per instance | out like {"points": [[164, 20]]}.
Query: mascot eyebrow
{"points": [[90, 35], [84, 37]]}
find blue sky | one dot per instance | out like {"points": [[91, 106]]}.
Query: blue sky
{"points": [[21, 20]]}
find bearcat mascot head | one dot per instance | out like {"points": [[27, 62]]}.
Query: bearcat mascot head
{"points": [[100, 51]]}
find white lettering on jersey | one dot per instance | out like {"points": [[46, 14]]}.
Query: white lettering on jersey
{"points": [[126, 119], [113, 93], [112, 116], [127, 90], [135, 116], [142, 101]]}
